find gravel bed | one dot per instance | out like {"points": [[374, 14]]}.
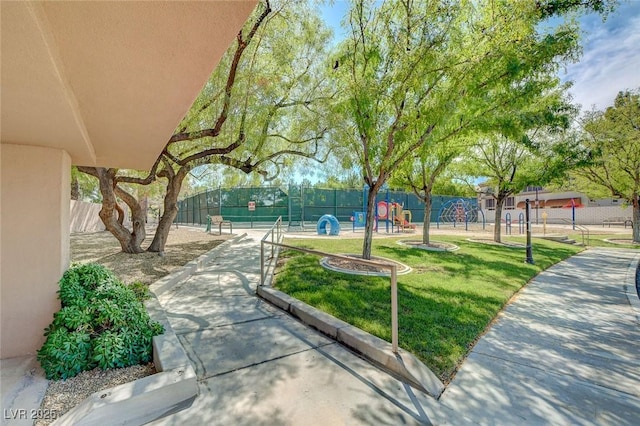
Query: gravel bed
{"points": [[62, 395], [183, 245]]}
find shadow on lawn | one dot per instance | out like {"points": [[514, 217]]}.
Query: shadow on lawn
{"points": [[438, 325], [442, 312], [466, 264]]}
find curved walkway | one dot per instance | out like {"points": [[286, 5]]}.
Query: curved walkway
{"points": [[564, 352]]}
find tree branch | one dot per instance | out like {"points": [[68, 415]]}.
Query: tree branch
{"points": [[242, 44]]}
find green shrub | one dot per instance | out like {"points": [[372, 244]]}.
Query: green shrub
{"points": [[65, 353], [102, 323], [79, 281], [109, 350], [141, 290]]}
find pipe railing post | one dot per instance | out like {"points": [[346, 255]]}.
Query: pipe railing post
{"points": [[262, 262], [394, 309]]}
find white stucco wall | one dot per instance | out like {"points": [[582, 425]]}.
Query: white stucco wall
{"points": [[584, 215]]}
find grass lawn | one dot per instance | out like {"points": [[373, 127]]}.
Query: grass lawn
{"points": [[444, 304]]}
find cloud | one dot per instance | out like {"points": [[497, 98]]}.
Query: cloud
{"points": [[611, 59]]}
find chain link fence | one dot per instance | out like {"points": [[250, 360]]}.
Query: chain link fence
{"points": [[297, 205]]}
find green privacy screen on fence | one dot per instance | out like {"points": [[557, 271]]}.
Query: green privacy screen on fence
{"points": [[295, 204]]}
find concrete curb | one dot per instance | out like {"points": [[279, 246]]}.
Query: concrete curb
{"points": [[402, 269], [402, 365], [630, 287], [172, 389]]}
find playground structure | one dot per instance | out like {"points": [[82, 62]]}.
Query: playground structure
{"points": [[460, 211], [334, 225], [391, 213], [404, 219], [400, 218]]}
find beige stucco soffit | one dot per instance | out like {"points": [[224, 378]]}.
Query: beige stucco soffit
{"points": [[108, 81]]}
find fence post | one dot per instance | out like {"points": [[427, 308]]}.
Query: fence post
{"points": [[206, 198], [199, 211], [193, 211]]}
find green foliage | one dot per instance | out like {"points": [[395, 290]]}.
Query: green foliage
{"points": [[74, 318], [551, 8], [141, 290], [65, 353], [613, 139], [109, 350], [78, 282], [102, 323], [415, 75], [276, 105]]}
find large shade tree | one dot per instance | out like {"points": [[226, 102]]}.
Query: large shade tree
{"points": [[613, 138], [424, 72], [425, 171], [265, 102], [526, 147]]}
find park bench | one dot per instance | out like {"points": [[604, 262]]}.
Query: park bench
{"points": [[617, 221], [218, 220]]}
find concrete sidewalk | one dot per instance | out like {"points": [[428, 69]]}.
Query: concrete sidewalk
{"points": [[258, 365], [566, 351]]}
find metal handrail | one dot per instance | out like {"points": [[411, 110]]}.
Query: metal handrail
{"points": [[581, 228], [392, 268], [275, 230]]}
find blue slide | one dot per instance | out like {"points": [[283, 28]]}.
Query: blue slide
{"points": [[332, 221]]}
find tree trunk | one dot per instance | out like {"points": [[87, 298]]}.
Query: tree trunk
{"points": [[498, 222], [368, 229], [120, 213], [129, 241], [174, 185], [427, 219], [636, 218], [75, 188], [138, 231]]}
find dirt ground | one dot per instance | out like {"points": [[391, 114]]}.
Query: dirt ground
{"points": [[183, 245]]}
